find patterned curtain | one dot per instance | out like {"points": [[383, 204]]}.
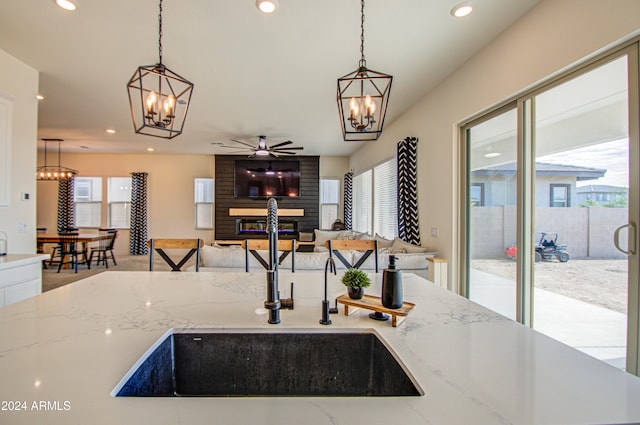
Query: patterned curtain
{"points": [[408, 226], [348, 200], [139, 233], [65, 204]]}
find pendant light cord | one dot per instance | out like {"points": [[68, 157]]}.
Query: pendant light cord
{"points": [[160, 34], [363, 62]]}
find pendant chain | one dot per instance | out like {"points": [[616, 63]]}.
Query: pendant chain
{"points": [[363, 62], [160, 33]]}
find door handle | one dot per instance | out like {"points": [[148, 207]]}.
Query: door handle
{"points": [[631, 238]]}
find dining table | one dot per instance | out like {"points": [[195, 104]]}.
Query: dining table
{"points": [[84, 238]]}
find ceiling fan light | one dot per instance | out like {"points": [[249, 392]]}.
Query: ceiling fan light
{"points": [[267, 6], [262, 152]]}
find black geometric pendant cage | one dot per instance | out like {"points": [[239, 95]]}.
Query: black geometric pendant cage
{"points": [[159, 98], [363, 96]]}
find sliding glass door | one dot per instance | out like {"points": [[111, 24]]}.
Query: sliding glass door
{"points": [[492, 212], [550, 202], [582, 197]]}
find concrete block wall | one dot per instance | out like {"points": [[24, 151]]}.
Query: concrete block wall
{"points": [[588, 232]]}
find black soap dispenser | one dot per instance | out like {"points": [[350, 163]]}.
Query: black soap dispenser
{"points": [[392, 296]]}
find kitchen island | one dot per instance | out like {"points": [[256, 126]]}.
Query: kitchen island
{"points": [[63, 352]]}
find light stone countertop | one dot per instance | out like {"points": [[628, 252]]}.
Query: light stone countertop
{"points": [[10, 261], [64, 351]]}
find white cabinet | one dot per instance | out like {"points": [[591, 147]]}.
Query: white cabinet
{"points": [[20, 277]]}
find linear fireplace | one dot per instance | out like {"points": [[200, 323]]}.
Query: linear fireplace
{"points": [[253, 226]]}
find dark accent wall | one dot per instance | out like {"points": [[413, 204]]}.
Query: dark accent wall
{"points": [[309, 198]]}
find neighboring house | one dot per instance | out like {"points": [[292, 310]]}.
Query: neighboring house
{"points": [[555, 184], [602, 195]]}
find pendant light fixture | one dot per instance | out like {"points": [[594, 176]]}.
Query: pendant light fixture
{"points": [[362, 98], [159, 98], [53, 172]]}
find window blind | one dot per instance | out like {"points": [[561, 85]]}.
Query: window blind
{"points": [[119, 201], [204, 196], [329, 202], [362, 202], [385, 198], [87, 199]]}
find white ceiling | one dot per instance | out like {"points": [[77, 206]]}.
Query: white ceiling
{"points": [[253, 73]]}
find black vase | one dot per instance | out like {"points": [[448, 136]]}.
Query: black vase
{"points": [[355, 293]]}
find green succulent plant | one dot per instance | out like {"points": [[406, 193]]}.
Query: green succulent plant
{"points": [[356, 278]]}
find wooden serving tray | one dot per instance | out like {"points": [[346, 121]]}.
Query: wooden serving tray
{"points": [[370, 302]]}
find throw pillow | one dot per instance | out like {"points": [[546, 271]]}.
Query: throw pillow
{"points": [[217, 256], [383, 242], [399, 246], [348, 235], [321, 236]]}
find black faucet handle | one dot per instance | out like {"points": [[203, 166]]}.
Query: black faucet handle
{"points": [[287, 303], [334, 310]]}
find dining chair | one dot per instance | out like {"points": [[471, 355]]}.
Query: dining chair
{"points": [[252, 246], [105, 248], [69, 247], [159, 245], [367, 247], [55, 251], [40, 245]]}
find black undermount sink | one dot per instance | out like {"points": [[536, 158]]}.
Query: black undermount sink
{"points": [[232, 363]]}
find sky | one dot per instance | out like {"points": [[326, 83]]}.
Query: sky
{"points": [[612, 156]]}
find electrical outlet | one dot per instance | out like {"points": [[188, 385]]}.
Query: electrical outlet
{"points": [[22, 227], [435, 232]]}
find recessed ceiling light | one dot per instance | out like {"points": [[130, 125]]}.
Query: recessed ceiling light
{"points": [[150, 149], [267, 6], [66, 4], [40, 97], [462, 10], [110, 130], [492, 155]]}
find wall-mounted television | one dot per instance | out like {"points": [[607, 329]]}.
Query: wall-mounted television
{"points": [[257, 178]]}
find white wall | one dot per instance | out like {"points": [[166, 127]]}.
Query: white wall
{"points": [[553, 36], [19, 82], [170, 203]]}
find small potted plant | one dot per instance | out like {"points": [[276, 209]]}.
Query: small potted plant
{"points": [[355, 280]]}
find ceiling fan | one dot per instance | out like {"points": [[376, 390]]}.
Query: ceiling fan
{"points": [[263, 149]]}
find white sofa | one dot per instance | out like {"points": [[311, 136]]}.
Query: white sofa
{"points": [[218, 259]]}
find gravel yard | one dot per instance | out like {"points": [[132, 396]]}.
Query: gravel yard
{"points": [[601, 282]]}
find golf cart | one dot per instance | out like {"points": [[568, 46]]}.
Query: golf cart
{"points": [[547, 248]]}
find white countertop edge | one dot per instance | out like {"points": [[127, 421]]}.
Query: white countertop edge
{"points": [[10, 261]]}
